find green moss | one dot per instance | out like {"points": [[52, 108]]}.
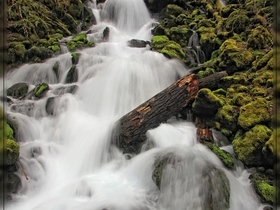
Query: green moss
{"points": [[75, 57], [254, 113], [180, 34], [248, 147], [173, 10], [260, 38], [224, 156], [206, 103], [240, 99], [79, 41], [12, 152], [158, 42], [263, 187], [206, 72], [227, 118], [237, 21], [173, 50], [40, 90]]}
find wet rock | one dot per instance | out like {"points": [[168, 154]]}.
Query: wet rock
{"points": [[55, 69], [106, 34], [75, 58], [40, 90], [248, 146], [137, 43], [62, 90], [18, 90], [12, 183], [72, 75]]}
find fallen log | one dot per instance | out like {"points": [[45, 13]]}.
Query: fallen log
{"points": [[130, 131]]}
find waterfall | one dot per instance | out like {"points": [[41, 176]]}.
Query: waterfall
{"points": [[68, 157]]}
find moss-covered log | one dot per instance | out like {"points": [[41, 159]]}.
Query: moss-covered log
{"points": [[130, 132]]}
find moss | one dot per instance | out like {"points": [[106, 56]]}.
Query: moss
{"points": [[227, 118], [240, 99], [258, 91], [79, 41], [40, 90], [237, 21], [173, 50], [254, 113], [12, 152], [248, 147], [75, 57], [158, 42], [206, 103], [235, 55], [18, 90], [260, 38], [263, 188], [180, 34], [173, 10], [224, 156], [205, 73]]}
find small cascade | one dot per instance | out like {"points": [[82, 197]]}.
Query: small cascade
{"points": [[65, 136], [193, 50]]}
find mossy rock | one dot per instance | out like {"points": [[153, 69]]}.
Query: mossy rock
{"points": [[11, 152], [158, 42], [18, 90], [79, 41], [248, 147], [269, 152], [260, 38], [37, 54], [183, 19], [223, 155], [206, 103], [205, 73], [209, 41], [180, 34], [40, 90], [263, 187], [226, 119], [171, 10], [238, 21], [254, 113], [75, 57], [235, 55], [241, 99], [173, 50]]}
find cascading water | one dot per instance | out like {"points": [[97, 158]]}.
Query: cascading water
{"points": [[68, 157]]}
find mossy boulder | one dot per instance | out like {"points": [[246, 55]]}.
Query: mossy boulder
{"points": [[169, 48], [209, 41], [12, 152], [171, 10], [180, 34], [18, 90], [40, 90], [248, 147], [237, 21], [223, 155], [268, 151], [263, 187], [260, 38], [235, 56], [37, 54], [226, 120], [206, 103], [253, 113]]}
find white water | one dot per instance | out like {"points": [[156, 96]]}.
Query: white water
{"points": [[68, 157]]}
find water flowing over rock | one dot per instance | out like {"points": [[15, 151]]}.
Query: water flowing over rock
{"points": [[64, 130]]}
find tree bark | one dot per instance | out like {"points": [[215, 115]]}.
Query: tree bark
{"points": [[130, 132]]}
